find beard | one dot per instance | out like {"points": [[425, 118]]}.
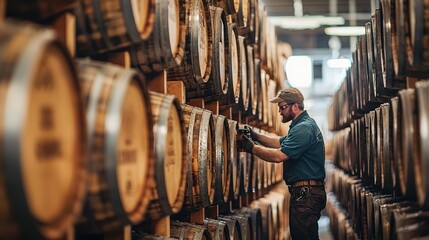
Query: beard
{"points": [[288, 116], [286, 119]]}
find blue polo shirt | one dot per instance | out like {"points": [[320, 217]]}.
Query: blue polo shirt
{"points": [[305, 148]]}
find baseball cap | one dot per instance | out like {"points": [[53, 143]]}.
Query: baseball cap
{"points": [[289, 95]]}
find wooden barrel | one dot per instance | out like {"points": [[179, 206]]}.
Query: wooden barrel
{"points": [[234, 62], [245, 224], [395, 142], [356, 210], [272, 110], [342, 143], [264, 90], [254, 21], [242, 17], [358, 68], [244, 80], [378, 224], [359, 84], [378, 57], [409, 223], [39, 93], [362, 65], [165, 47], [255, 179], [230, 6], [187, 231], [272, 173], [356, 146], [416, 33], [385, 213], [275, 208], [360, 194], [403, 40], [273, 53], [195, 68], [38, 10], [235, 161], [362, 144], [394, 64], [244, 167], [218, 229], [369, 140], [378, 141], [120, 155], [386, 163], [267, 218], [411, 24], [252, 174], [258, 91], [421, 167], [261, 176], [234, 228], [279, 198], [201, 157], [387, 83], [269, 52], [408, 154], [219, 73], [217, 86], [255, 215], [223, 162], [267, 176], [278, 171], [353, 148], [260, 38], [109, 25], [253, 94], [370, 199], [389, 33], [371, 62], [168, 188]]}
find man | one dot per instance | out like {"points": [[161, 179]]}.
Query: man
{"points": [[302, 152]]}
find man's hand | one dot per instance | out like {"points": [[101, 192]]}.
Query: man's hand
{"points": [[253, 134], [246, 144]]}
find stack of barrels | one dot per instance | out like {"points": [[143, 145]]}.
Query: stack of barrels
{"points": [[380, 121], [86, 145]]}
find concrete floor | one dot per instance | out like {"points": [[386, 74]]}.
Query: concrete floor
{"points": [[324, 231]]}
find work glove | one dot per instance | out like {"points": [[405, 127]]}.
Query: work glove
{"points": [[246, 144], [253, 134]]}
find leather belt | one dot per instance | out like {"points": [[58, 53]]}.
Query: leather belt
{"points": [[310, 183]]}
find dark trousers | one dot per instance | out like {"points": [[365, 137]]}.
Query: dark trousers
{"points": [[306, 203]]}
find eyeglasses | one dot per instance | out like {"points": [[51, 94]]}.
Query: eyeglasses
{"points": [[285, 106]]}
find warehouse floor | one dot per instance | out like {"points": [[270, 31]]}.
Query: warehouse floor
{"points": [[324, 230]]}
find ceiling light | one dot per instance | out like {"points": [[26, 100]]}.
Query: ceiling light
{"points": [[345, 31], [305, 22], [299, 70]]}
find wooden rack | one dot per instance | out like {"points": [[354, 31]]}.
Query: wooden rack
{"points": [[65, 28], [2, 9]]}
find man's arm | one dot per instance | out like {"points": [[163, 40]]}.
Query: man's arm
{"points": [[268, 141], [274, 155], [271, 142]]}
